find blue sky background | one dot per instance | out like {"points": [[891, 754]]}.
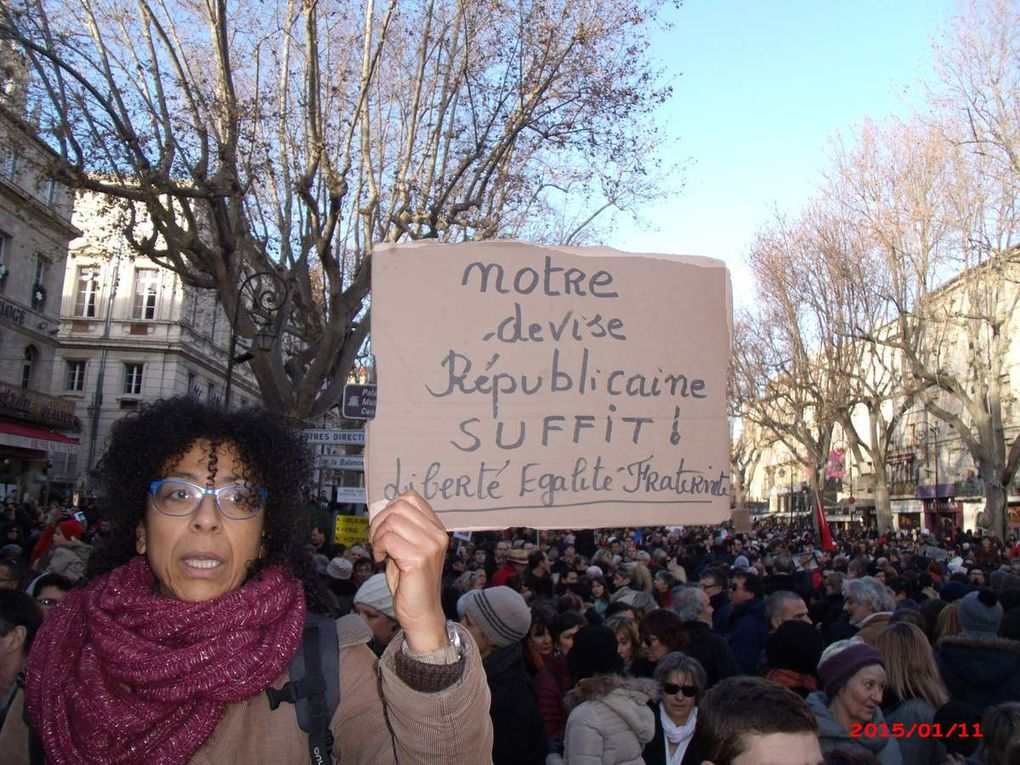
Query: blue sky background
{"points": [[760, 87]]}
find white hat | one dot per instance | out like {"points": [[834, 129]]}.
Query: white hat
{"points": [[376, 593], [340, 568]]}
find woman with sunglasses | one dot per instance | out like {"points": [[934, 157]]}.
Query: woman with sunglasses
{"points": [[681, 680], [195, 607]]}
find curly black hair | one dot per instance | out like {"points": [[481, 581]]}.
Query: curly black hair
{"points": [[144, 444]]}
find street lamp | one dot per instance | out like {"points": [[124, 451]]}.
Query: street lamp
{"points": [[268, 293], [934, 431]]}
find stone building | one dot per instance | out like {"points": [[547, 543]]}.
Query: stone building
{"points": [[37, 430], [131, 332]]}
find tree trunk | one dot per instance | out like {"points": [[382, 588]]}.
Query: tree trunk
{"points": [[883, 508]]}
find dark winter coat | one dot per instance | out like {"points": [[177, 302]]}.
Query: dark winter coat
{"points": [[516, 723], [655, 750], [746, 635], [721, 609], [980, 670], [712, 651], [552, 684], [916, 750]]}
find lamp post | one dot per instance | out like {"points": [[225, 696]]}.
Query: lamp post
{"points": [[934, 431], [266, 301]]}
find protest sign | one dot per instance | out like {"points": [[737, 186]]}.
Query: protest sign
{"points": [[521, 385], [351, 530]]}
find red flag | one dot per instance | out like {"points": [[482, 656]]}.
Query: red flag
{"points": [[827, 544]]}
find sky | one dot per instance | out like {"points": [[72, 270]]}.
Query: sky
{"points": [[760, 88]]}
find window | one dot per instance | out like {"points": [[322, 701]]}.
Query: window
{"points": [[87, 294], [31, 355], [193, 389], [40, 269], [146, 287], [50, 194], [8, 163], [75, 380], [133, 379]]}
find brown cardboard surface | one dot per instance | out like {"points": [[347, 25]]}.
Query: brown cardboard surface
{"points": [[522, 385]]}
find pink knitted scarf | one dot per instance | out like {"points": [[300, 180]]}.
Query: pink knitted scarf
{"points": [[121, 675]]}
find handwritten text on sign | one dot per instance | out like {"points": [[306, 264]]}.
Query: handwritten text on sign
{"points": [[523, 385]]}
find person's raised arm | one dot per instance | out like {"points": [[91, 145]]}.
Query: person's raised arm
{"points": [[413, 541]]}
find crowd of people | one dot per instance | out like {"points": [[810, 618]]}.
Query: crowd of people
{"points": [[606, 646], [668, 646]]}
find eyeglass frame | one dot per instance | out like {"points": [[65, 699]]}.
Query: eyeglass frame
{"points": [[261, 491]]}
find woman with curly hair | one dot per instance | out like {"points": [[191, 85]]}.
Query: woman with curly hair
{"points": [[196, 604]]}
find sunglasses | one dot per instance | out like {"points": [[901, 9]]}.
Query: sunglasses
{"points": [[672, 689], [47, 602], [649, 639]]}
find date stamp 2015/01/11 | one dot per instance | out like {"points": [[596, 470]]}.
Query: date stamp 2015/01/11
{"points": [[921, 730]]}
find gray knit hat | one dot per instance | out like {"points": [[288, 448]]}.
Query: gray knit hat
{"points": [[500, 613], [980, 612]]}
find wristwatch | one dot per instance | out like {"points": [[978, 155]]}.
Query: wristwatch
{"points": [[448, 654]]}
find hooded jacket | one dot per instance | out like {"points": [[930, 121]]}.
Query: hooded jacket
{"points": [[747, 632], [609, 721], [981, 670], [834, 737]]}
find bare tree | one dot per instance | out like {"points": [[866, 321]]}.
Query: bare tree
{"points": [[934, 212], [292, 139], [778, 383]]}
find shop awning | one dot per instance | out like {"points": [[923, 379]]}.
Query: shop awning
{"points": [[29, 437]]}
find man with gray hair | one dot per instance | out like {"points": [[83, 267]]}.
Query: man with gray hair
{"points": [[694, 608], [785, 606], [870, 605]]}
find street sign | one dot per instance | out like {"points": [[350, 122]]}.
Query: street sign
{"points": [[359, 402], [352, 495], [342, 436], [343, 461]]}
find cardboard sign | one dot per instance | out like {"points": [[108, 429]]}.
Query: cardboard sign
{"points": [[550, 387], [351, 530]]}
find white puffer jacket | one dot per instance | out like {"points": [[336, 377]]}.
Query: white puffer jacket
{"points": [[609, 721]]}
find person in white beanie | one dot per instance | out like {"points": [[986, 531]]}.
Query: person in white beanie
{"points": [[373, 602]]}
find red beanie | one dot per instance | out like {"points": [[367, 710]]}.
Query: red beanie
{"points": [[71, 529]]}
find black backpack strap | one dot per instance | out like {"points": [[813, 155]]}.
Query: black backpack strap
{"points": [[314, 685]]}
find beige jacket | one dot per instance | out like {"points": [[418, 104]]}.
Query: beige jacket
{"points": [[380, 720]]}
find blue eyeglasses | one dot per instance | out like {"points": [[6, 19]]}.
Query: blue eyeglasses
{"points": [[177, 498]]}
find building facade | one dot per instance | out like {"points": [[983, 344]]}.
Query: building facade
{"points": [[37, 429], [131, 332]]}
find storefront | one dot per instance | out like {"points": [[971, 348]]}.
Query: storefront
{"points": [[942, 513], [35, 429], [907, 513]]}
